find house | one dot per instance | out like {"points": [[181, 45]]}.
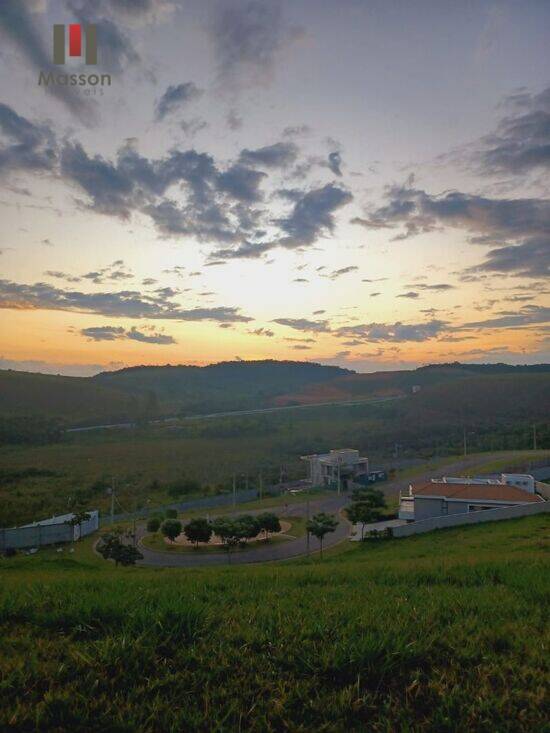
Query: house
{"points": [[449, 495], [337, 469]]}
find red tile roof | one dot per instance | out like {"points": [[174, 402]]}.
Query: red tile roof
{"points": [[478, 492]]}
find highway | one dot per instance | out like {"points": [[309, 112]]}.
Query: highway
{"points": [[239, 413]]}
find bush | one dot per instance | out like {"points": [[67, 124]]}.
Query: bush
{"points": [[10, 552], [153, 524], [171, 513]]}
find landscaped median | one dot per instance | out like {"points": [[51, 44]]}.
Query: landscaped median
{"points": [[291, 528]]}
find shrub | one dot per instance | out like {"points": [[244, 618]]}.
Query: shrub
{"points": [[171, 513]]}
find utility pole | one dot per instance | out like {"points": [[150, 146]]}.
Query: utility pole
{"points": [[112, 500], [134, 522], [234, 491], [338, 477], [307, 520], [534, 437], [261, 485], [465, 443]]}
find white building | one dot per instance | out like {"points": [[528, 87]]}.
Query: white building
{"points": [[449, 495], [337, 468]]}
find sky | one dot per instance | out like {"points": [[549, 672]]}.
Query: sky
{"points": [[356, 183]]}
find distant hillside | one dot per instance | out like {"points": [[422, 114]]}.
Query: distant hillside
{"points": [[147, 392], [357, 386], [29, 393], [35, 406], [225, 386]]}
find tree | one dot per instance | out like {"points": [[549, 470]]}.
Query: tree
{"points": [[362, 513], [320, 525], [374, 497], [368, 505], [229, 531], [171, 528], [111, 547], [268, 522], [171, 513], [247, 527], [198, 530], [77, 520], [153, 524]]}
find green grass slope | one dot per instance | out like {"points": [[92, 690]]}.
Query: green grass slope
{"points": [[441, 632]]}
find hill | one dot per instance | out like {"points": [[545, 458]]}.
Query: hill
{"points": [[145, 392], [356, 386], [231, 385], [27, 397], [441, 632]]}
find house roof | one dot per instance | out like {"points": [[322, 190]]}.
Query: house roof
{"points": [[475, 492]]}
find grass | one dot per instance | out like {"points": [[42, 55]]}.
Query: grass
{"points": [[440, 632]]}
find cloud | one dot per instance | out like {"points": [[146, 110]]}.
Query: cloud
{"points": [[32, 146], [175, 97], [233, 120], [278, 155], [242, 183], [125, 303], [530, 259], [248, 37], [109, 189], [411, 294], [262, 332], [335, 163], [312, 215], [103, 333], [526, 221], [435, 287], [522, 140], [528, 315], [395, 332], [296, 131], [303, 324], [58, 275], [193, 126], [342, 271]]}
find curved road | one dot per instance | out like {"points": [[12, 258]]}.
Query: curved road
{"points": [[265, 553], [297, 547]]}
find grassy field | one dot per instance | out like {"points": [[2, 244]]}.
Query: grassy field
{"points": [[441, 632], [37, 481]]}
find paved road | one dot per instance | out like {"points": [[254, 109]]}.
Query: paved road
{"points": [[297, 547], [238, 413], [264, 553]]}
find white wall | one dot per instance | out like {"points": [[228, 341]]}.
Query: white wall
{"points": [[455, 520]]}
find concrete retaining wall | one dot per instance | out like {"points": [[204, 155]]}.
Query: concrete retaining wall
{"points": [[455, 520]]}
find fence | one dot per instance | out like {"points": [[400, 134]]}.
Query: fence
{"points": [[455, 520], [48, 532], [202, 502]]}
